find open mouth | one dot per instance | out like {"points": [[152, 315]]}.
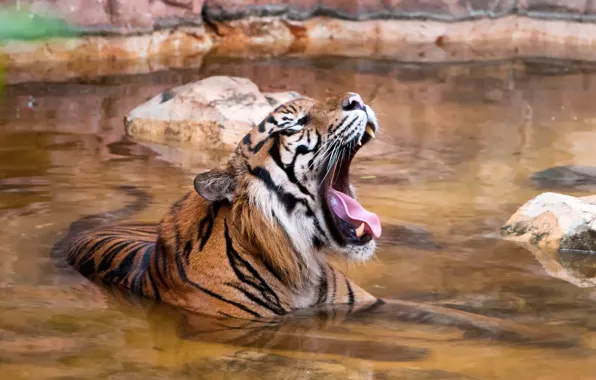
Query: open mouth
{"points": [[348, 221]]}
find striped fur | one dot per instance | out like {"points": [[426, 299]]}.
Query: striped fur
{"points": [[250, 241]]}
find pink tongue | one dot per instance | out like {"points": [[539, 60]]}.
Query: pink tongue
{"points": [[349, 210]]}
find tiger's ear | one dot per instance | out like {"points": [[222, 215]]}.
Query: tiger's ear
{"points": [[215, 185]]}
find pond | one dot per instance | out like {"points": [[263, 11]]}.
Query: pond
{"points": [[452, 162]]}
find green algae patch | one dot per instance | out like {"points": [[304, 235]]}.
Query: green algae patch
{"points": [[19, 25], [27, 26]]}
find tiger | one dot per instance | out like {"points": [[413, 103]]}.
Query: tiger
{"points": [[253, 240]]}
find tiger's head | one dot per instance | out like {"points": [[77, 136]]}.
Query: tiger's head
{"points": [[288, 182]]}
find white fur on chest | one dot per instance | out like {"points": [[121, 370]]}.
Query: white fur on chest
{"points": [[304, 300]]}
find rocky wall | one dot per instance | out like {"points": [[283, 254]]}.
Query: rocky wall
{"points": [[140, 35], [139, 16]]}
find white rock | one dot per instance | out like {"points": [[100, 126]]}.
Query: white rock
{"points": [[213, 113], [555, 221]]}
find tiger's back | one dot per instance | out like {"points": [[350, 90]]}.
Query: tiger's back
{"points": [[118, 255]]}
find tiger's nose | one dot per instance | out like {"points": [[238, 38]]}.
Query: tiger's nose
{"points": [[352, 102]]}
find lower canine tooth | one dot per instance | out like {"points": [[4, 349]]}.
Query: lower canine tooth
{"points": [[370, 131], [360, 230], [359, 143]]}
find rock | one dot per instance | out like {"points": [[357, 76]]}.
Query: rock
{"points": [[566, 177], [253, 37], [117, 16], [213, 113], [406, 38], [181, 47], [554, 9], [555, 221], [443, 10]]}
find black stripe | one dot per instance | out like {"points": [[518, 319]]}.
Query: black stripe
{"points": [[213, 211], [247, 140], [323, 289], [255, 299], [333, 128], [351, 298], [86, 263], [156, 293], [316, 149], [287, 148], [141, 270], [257, 282], [272, 270], [339, 132], [124, 270], [289, 169], [187, 250], [182, 274], [91, 250], [87, 267], [272, 120], [147, 270], [259, 145], [106, 261], [160, 253], [334, 285], [287, 199], [319, 230]]}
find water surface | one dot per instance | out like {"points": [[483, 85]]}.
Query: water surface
{"points": [[452, 163]]}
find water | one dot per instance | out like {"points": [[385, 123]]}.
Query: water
{"points": [[452, 163]]}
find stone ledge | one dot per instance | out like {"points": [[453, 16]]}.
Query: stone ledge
{"points": [[360, 10], [143, 16], [119, 17], [403, 40]]}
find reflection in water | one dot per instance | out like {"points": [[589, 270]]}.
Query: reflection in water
{"points": [[577, 268], [454, 159], [329, 329]]}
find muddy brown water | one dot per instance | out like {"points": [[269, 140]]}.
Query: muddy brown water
{"points": [[453, 161]]}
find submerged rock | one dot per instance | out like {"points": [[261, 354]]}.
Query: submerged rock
{"points": [[566, 177], [555, 221], [213, 113]]}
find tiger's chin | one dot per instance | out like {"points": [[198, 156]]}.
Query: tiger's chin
{"points": [[359, 253], [352, 227]]}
